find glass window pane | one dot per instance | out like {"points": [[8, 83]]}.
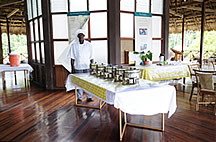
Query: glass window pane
{"points": [[127, 5], [157, 6], [29, 9], [142, 6], [38, 52], [78, 6], [100, 51], [126, 23], [41, 28], [34, 2], [33, 51], [60, 26], [36, 30], [156, 49], [39, 8], [98, 22], [97, 5], [42, 53], [31, 31], [59, 47], [59, 5], [156, 26]]}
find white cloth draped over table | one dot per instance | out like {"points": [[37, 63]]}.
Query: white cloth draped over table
{"points": [[146, 98], [21, 67]]}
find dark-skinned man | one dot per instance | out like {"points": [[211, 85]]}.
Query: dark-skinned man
{"points": [[81, 54]]}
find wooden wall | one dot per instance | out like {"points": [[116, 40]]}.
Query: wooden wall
{"points": [[61, 75]]}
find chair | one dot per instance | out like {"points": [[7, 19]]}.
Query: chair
{"points": [[192, 74], [205, 87]]}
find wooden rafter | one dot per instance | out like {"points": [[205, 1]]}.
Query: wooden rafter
{"points": [[175, 13], [10, 2], [199, 8]]}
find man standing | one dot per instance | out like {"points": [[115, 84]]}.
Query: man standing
{"points": [[81, 54]]}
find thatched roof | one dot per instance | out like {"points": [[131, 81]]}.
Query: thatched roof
{"points": [[192, 12], [14, 10]]}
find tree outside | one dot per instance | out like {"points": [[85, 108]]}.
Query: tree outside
{"points": [[192, 43], [18, 45]]}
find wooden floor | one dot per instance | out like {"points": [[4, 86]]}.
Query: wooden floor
{"points": [[50, 116]]}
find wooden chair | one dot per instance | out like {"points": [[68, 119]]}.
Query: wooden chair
{"points": [[192, 74], [205, 87]]}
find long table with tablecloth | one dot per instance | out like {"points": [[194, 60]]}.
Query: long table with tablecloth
{"points": [[165, 72], [145, 98]]}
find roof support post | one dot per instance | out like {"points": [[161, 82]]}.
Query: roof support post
{"points": [[114, 49], [165, 44], [183, 37], [202, 31], [1, 50], [8, 35]]}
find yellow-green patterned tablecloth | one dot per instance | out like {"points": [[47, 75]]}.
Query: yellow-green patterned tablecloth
{"points": [[166, 72]]}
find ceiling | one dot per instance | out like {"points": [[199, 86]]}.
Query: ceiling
{"points": [[191, 10], [14, 11]]}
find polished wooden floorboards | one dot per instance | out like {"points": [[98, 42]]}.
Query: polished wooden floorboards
{"points": [[50, 116]]}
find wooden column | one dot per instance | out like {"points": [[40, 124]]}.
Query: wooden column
{"points": [[8, 35], [114, 48], [165, 44], [202, 31], [1, 50], [49, 52], [183, 37], [27, 33]]}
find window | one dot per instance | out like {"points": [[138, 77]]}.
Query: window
{"points": [[98, 24], [59, 5], [60, 26]]}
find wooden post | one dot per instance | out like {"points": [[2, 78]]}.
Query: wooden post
{"points": [[1, 50], [8, 35], [202, 31], [183, 37], [48, 45], [165, 33], [28, 34], [114, 49]]}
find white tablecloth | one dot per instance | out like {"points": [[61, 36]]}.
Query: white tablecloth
{"points": [[147, 98], [19, 68]]}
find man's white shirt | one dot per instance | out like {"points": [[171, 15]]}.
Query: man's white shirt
{"points": [[82, 54]]}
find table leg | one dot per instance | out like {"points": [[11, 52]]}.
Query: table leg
{"points": [[121, 132], [3, 80], [184, 84], [163, 122], [15, 77], [28, 78], [75, 95], [25, 78]]}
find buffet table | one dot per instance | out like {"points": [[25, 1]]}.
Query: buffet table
{"points": [[26, 68], [145, 98], [165, 72]]}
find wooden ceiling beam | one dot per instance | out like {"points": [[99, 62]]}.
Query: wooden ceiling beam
{"points": [[184, 4], [12, 12], [175, 14], [198, 0], [199, 8], [10, 2]]}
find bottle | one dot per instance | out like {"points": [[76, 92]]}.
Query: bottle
{"points": [[161, 58]]}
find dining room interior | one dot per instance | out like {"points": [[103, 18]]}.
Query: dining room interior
{"points": [[153, 77]]}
